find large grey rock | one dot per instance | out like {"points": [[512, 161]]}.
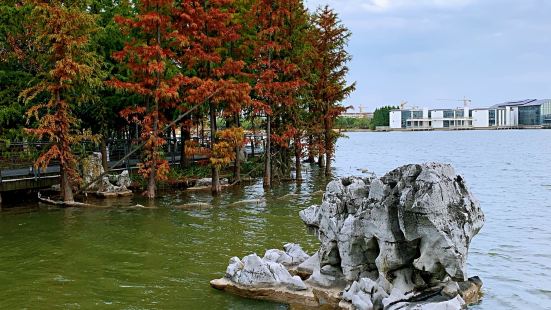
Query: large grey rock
{"points": [[292, 256], [308, 266], [123, 180], [407, 230], [91, 170], [396, 242], [106, 186], [296, 253], [254, 271]]}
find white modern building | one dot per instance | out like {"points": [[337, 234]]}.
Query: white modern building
{"points": [[524, 113], [428, 119]]}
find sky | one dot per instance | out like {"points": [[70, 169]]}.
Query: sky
{"points": [[419, 51]]}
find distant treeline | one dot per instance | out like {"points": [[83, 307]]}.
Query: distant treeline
{"points": [[381, 117]]}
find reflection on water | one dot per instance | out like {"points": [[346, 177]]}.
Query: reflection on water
{"points": [[163, 258]]}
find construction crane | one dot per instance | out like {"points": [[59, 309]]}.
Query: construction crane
{"points": [[466, 102], [403, 104]]}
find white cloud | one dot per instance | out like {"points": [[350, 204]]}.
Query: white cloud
{"points": [[386, 5]]}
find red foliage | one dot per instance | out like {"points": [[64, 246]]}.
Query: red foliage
{"points": [[62, 32], [208, 28], [148, 56]]}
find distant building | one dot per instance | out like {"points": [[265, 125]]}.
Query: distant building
{"points": [[360, 114], [357, 114], [524, 113]]}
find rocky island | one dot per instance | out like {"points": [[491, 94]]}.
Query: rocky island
{"points": [[396, 242]]}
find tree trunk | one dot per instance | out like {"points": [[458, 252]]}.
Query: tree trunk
{"points": [[103, 150], [268, 154], [298, 165], [321, 160], [202, 132], [216, 189], [151, 186], [185, 136], [253, 138], [311, 157], [237, 164], [237, 168], [64, 146], [66, 189], [328, 164]]}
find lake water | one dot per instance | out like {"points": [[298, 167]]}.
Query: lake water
{"points": [[164, 258]]}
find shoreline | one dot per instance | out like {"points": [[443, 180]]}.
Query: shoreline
{"points": [[436, 129]]}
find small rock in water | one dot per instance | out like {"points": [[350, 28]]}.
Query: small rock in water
{"points": [[208, 182], [254, 271], [203, 182]]}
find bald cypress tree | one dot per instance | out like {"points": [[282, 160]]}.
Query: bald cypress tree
{"points": [[66, 68], [330, 39]]}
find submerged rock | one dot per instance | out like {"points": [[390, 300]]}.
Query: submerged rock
{"points": [[399, 241]]}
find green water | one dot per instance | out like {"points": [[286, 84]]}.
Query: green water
{"points": [[162, 258]]}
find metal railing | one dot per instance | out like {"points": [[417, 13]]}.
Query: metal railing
{"points": [[17, 159]]}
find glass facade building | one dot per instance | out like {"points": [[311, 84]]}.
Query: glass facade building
{"points": [[405, 116], [545, 113], [448, 113], [529, 115], [492, 117]]}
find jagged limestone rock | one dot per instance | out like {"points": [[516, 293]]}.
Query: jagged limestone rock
{"points": [[254, 271], [307, 267], [292, 256], [123, 180], [91, 170], [396, 242], [408, 230], [107, 187]]}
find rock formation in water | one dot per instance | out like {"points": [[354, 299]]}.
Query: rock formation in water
{"points": [[108, 185], [399, 241], [205, 182], [269, 271]]}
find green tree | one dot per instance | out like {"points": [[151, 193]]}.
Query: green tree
{"points": [[330, 86], [18, 65], [101, 112], [381, 116]]}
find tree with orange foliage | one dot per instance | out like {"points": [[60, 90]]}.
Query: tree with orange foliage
{"points": [[67, 66], [276, 79], [330, 39], [153, 76], [223, 151], [209, 28]]}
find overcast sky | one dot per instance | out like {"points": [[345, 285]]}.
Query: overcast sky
{"points": [[489, 51]]}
